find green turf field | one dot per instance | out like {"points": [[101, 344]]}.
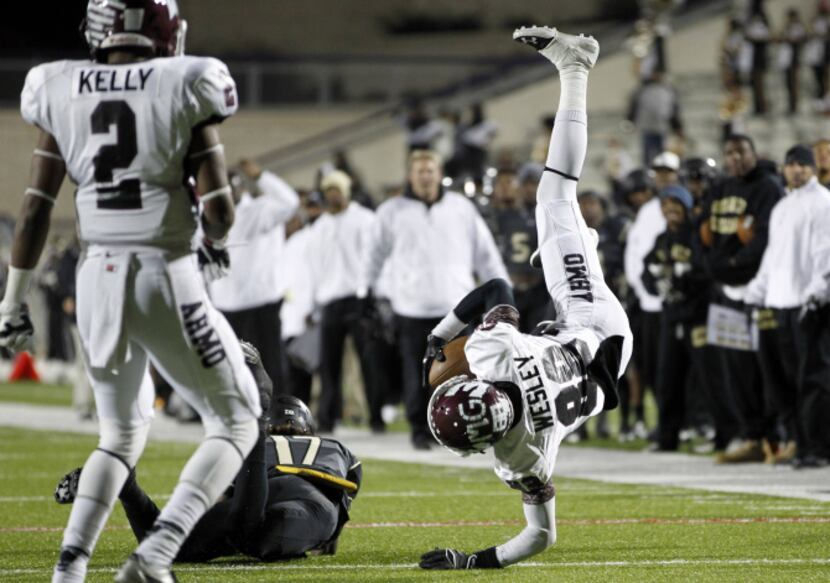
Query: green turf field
{"points": [[36, 393], [606, 532]]}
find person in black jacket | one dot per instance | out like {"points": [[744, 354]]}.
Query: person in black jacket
{"points": [[674, 272], [737, 227], [703, 180]]}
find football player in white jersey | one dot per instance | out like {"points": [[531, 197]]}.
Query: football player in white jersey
{"points": [[529, 391], [130, 127]]}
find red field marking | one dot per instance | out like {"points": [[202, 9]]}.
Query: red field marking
{"points": [[601, 521]]}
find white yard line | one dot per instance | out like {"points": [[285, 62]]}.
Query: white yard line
{"points": [[400, 566]]}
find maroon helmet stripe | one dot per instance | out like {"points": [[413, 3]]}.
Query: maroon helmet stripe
{"points": [[152, 23]]}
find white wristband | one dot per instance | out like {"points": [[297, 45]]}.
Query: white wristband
{"points": [[225, 190], [17, 285], [206, 151], [449, 327], [45, 154], [40, 194]]}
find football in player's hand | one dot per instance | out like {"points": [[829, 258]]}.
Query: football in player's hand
{"points": [[454, 364]]}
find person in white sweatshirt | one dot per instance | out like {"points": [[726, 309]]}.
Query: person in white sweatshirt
{"points": [[438, 245], [335, 251], [793, 282]]}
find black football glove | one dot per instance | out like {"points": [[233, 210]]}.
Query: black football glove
{"points": [[447, 559], [67, 488], [214, 260], [435, 351]]}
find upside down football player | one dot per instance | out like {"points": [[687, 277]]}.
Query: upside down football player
{"points": [[529, 391], [292, 495]]}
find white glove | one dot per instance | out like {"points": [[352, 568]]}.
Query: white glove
{"points": [[214, 260], [15, 326]]}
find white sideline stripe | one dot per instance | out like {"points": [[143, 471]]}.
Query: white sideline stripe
{"points": [[533, 565]]}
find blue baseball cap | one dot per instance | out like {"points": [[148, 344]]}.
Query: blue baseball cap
{"points": [[678, 193]]}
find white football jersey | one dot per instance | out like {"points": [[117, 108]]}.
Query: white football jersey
{"points": [[549, 371], [124, 132]]}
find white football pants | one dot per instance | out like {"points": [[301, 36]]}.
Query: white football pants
{"points": [[135, 305], [568, 247]]}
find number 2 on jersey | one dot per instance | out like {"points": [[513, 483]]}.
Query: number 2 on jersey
{"points": [[126, 195]]}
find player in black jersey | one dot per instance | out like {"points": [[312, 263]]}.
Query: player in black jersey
{"points": [[291, 497]]}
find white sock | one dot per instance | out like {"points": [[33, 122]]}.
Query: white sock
{"points": [[573, 94], [568, 142], [569, 139]]}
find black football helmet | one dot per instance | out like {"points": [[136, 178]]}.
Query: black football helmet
{"points": [[290, 416], [151, 25], [637, 181], [705, 169], [469, 415]]}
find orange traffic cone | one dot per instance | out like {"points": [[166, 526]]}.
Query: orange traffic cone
{"points": [[24, 369]]}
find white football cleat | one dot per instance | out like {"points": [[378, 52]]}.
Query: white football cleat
{"points": [[136, 570], [563, 50]]}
